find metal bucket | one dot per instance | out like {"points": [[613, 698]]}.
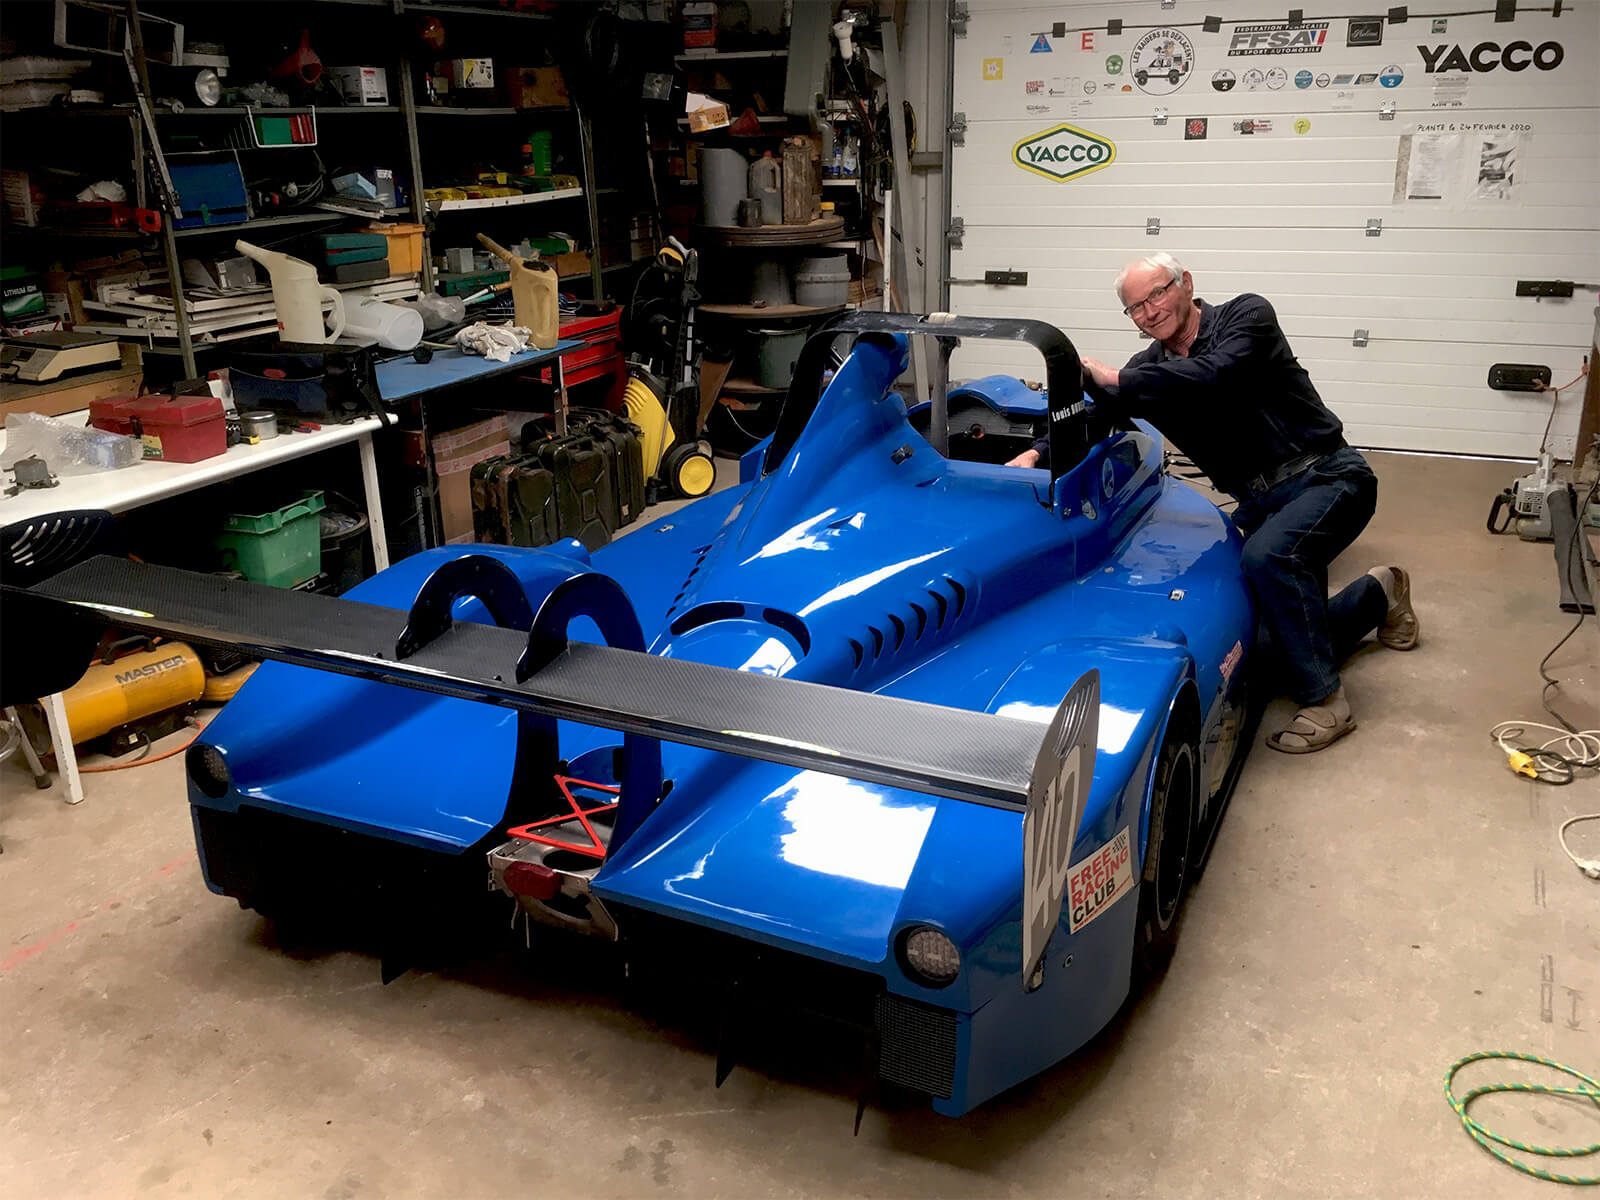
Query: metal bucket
{"points": [[724, 181]]}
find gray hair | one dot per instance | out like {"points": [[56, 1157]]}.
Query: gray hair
{"points": [[1161, 260]]}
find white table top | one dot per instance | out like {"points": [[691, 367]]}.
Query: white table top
{"points": [[153, 479]]}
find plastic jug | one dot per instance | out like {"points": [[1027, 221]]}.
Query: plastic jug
{"points": [[766, 185], [534, 295], [297, 295]]}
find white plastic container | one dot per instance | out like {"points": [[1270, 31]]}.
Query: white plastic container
{"points": [[391, 326], [297, 294]]}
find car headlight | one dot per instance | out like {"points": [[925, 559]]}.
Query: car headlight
{"points": [[209, 770], [929, 957]]}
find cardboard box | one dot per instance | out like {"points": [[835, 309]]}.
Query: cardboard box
{"points": [[361, 86], [573, 262], [454, 455], [699, 25], [472, 73], [537, 87], [705, 113]]}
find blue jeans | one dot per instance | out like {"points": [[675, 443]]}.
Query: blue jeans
{"points": [[1292, 532]]}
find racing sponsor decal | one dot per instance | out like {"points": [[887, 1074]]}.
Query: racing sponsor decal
{"points": [[1063, 152], [1365, 78], [1090, 87], [1307, 38], [1253, 79], [1034, 87], [1161, 60], [1100, 880], [1194, 129], [1322, 80], [1441, 24], [1252, 125], [994, 68], [1041, 45], [1391, 76], [1223, 80], [1108, 478], [1088, 40], [1302, 126], [1364, 31], [1343, 80], [1276, 78], [1113, 64], [1057, 792], [1303, 79], [1230, 661], [1488, 56], [1036, 109]]}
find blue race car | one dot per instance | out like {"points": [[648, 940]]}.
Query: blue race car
{"points": [[888, 731]]}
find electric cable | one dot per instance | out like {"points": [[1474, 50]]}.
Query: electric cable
{"points": [[1574, 549], [1485, 1136], [1555, 401], [146, 758]]}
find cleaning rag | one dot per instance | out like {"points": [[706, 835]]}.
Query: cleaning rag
{"points": [[497, 343]]}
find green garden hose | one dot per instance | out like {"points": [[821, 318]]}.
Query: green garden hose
{"points": [[1485, 1136]]}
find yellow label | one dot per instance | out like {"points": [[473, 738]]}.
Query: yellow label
{"points": [[994, 68], [152, 444]]}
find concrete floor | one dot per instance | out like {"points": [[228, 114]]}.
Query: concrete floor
{"points": [[1369, 915]]}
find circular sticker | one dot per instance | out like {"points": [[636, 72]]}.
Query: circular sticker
{"points": [[1302, 126], [1322, 80], [1391, 76], [1223, 81], [1089, 87], [1302, 79], [1277, 77], [1113, 64], [1161, 60], [1108, 478], [1253, 79]]}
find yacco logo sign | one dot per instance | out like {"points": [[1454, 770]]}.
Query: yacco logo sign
{"points": [[1063, 152], [1486, 56]]}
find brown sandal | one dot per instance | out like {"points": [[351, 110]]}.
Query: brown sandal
{"points": [[1316, 726], [1400, 629]]}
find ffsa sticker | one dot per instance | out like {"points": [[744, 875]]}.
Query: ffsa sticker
{"points": [[1100, 880]]}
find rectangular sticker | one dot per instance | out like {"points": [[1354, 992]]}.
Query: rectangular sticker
{"points": [[1100, 880]]}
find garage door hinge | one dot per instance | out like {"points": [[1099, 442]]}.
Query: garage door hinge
{"points": [[1359, 338], [958, 20], [956, 230], [1159, 117], [1386, 111], [1374, 226], [1168, 5], [1152, 226], [958, 129]]}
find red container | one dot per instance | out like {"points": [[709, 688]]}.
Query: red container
{"points": [[185, 429], [114, 414]]}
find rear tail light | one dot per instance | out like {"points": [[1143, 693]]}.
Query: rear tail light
{"points": [[534, 880]]}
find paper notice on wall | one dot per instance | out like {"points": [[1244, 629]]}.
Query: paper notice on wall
{"points": [[1460, 167], [1427, 166], [1499, 158]]}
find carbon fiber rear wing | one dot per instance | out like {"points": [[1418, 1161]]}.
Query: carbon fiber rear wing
{"points": [[1021, 766]]}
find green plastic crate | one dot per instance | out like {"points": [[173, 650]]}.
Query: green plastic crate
{"points": [[282, 547]]}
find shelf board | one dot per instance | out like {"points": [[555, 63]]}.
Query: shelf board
{"points": [[444, 206], [475, 10], [262, 223], [504, 110], [694, 56], [772, 237], [64, 231], [768, 312], [842, 182], [735, 386], [769, 119]]}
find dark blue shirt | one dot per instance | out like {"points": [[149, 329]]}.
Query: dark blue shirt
{"points": [[1240, 405]]}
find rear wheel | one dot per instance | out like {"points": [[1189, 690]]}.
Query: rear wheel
{"points": [[1166, 875]]}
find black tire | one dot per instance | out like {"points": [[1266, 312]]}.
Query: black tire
{"points": [[1141, 78], [1167, 868], [1172, 78]]}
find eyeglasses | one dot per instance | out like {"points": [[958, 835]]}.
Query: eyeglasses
{"points": [[1153, 297]]}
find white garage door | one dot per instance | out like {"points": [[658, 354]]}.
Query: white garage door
{"points": [[1386, 185]]}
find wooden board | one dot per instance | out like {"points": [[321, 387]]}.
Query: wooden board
{"points": [[67, 395], [813, 233], [801, 187], [767, 312]]}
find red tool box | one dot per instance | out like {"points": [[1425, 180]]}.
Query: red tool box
{"points": [[182, 428], [600, 358]]}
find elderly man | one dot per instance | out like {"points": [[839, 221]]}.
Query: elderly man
{"points": [[1222, 385]]}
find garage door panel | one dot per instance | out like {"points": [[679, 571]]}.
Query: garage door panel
{"points": [[1299, 280], [1441, 243]]}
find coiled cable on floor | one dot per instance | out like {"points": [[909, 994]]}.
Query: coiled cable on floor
{"points": [[1485, 1136]]}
